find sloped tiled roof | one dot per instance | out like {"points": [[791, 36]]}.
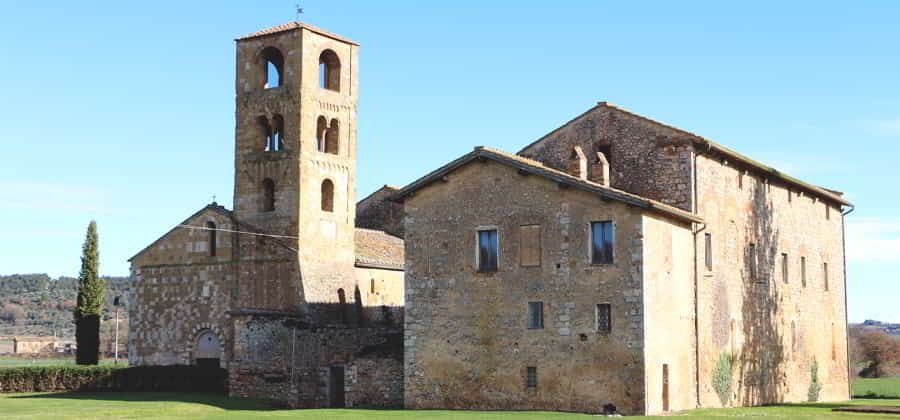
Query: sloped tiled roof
{"points": [[538, 168], [706, 144], [377, 249], [290, 26]]}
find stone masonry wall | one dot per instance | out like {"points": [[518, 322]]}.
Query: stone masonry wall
{"points": [[281, 358], [774, 326], [668, 315], [179, 292], [467, 341], [379, 212], [646, 159]]}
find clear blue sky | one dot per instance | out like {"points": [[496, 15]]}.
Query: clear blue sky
{"points": [[124, 111]]}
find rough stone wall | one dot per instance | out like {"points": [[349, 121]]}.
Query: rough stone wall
{"points": [[298, 170], [668, 314], [774, 328], [283, 359], [467, 341], [381, 293], [180, 291], [646, 159], [378, 212]]}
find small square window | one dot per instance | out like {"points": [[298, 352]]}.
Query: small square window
{"points": [[602, 242], [488, 250], [604, 318], [535, 315], [531, 379]]}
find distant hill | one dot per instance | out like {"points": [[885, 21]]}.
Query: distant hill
{"points": [[890, 328], [36, 304]]}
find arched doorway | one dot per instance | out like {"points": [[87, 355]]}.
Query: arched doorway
{"points": [[207, 351]]}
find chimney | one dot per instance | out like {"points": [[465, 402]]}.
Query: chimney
{"points": [[578, 163], [600, 170]]}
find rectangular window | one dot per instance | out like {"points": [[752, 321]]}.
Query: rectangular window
{"points": [[488, 250], [535, 315], [740, 179], [751, 263], [602, 241], [784, 268], [825, 275], [803, 271], [530, 245], [604, 318], [790, 195], [708, 251], [827, 212], [531, 377]]}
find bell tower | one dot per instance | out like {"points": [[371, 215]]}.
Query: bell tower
{"points": [[295, 165]]}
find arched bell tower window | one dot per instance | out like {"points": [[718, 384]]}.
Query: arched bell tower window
{"points": [[321, 132], [265, 131], [329, 71], [273, 67], [268, 203], [275, 139], [332, 137], [211, 229], [327, 195]]}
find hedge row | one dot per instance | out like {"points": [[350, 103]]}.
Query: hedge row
{"points": [[106, 378]]}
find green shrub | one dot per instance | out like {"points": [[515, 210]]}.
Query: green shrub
{"points": [[721, 379], [814, 386], [107, 378]]}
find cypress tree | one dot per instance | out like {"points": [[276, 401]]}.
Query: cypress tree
{"points": [[91, 289]]}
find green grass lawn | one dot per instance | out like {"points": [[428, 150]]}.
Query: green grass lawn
{"points": [[112, 405], [877, 388]]}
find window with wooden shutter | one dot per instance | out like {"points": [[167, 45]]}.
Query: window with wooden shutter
{"points": [[530, 246]]}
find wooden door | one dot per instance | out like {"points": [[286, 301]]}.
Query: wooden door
{"points": [[336, 387], [665, 387]]}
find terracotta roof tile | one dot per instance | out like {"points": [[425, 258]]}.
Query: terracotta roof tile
{"points": [[290, 26], [377, 249]]}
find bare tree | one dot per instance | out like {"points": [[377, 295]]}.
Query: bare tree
{"points": [[879, 351]]}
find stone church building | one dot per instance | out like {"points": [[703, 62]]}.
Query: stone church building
{"points": [[616, 261]]}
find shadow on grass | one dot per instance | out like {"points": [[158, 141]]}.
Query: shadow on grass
{"points": [[214, 400]]}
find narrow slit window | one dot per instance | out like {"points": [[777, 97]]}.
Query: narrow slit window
{"points": [[268, 203], [488, 250], [803, 271], [604, 318], [708, 251], [825, 275], [211, 228], [784, 268], [535, 315], [752, 264], [602, 242]]}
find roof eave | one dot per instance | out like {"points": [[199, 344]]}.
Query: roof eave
{"points": [[481, 152]]}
